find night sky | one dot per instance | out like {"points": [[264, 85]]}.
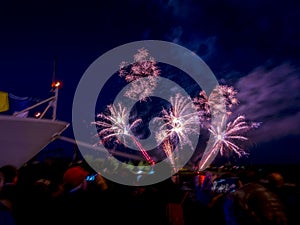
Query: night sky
{"points": [[251, 45]]}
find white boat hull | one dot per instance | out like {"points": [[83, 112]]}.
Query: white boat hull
{"points": [[23, 138]]}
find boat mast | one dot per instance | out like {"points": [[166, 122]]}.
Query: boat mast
{"points": [[55, 86], [52, 101], [55, 90]]}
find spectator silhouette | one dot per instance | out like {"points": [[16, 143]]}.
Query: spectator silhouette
{"points": [[254, 204], [9, 189], [81, 201], [6, 214], [288, 194]]}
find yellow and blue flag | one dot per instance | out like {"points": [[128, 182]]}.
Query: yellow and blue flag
{"points": [[10, 104], [17, 103]]}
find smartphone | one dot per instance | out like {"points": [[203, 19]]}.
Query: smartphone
{"points": [[90, 177]]}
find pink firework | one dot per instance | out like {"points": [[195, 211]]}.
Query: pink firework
{"points": [[225, 138], [141, 89], [220, 101], [115, 124], [229, 94], [143, 66]]}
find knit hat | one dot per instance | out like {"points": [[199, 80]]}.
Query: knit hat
{"points": [[74, 176]]}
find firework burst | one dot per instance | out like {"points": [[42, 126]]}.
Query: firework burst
{"points": [[225, 138], [212, 105], [115, 125], [179, 122], [143, 66], [140, 89]]}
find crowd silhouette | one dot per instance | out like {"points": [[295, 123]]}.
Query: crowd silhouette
{"points": [[57, 191]]}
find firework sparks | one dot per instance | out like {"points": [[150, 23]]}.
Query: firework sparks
{"points": [[115, 125], [229, 94], [179, 122], [141, 88], [144, 66], [223, 140], [168, 149], [213, 104]]}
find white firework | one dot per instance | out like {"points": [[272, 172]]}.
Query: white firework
{"points": [[224, 139], [180, 122], [115, 124]]}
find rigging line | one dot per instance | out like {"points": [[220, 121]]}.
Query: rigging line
{"points": [[92, 147]]}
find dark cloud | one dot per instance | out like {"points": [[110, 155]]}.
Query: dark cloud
{"points": [[271, 96], [245, 34]]}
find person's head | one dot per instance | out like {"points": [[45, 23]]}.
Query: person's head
{"points": [[101, 182], [275, 180], [254, 204], [74, 176], [11, 174]]}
